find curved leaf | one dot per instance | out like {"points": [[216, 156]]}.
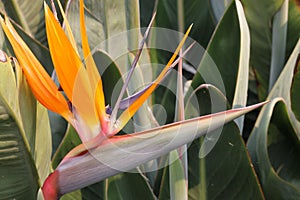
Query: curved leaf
{"points": [[17, 167], [240, 94], [18, 174], [285, 84], [269, 147]]}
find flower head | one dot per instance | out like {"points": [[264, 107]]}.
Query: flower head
{"points": [[77, 78]]}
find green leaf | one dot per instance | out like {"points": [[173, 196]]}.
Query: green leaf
{"points": [[240, 94], [95, 191], [226, 172], [17, 167], [129, 186], [3, 42], [76, 195], [58, 129], [285, 84], [43, 147], [19, 177], [178, 181], [164, 189], [268, 145]]}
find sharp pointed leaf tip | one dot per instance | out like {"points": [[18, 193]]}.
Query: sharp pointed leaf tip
{"points": [[65, 59]]}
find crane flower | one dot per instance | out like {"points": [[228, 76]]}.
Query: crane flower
{"points": [[77, 78]]}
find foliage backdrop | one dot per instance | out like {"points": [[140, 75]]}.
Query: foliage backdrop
{"points": [[271, 168]]}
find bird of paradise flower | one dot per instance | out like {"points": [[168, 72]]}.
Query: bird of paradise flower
{"points": [[87, 115]]}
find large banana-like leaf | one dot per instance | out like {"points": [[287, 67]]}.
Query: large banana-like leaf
{"points": [[273, 143], [24, 136], [18, 174]]}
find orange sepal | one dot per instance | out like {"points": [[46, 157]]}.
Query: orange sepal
{"points": [[92, 71], [65, 59]]}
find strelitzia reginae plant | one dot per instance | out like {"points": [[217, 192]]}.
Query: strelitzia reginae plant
{"points": [[95, 126]]}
